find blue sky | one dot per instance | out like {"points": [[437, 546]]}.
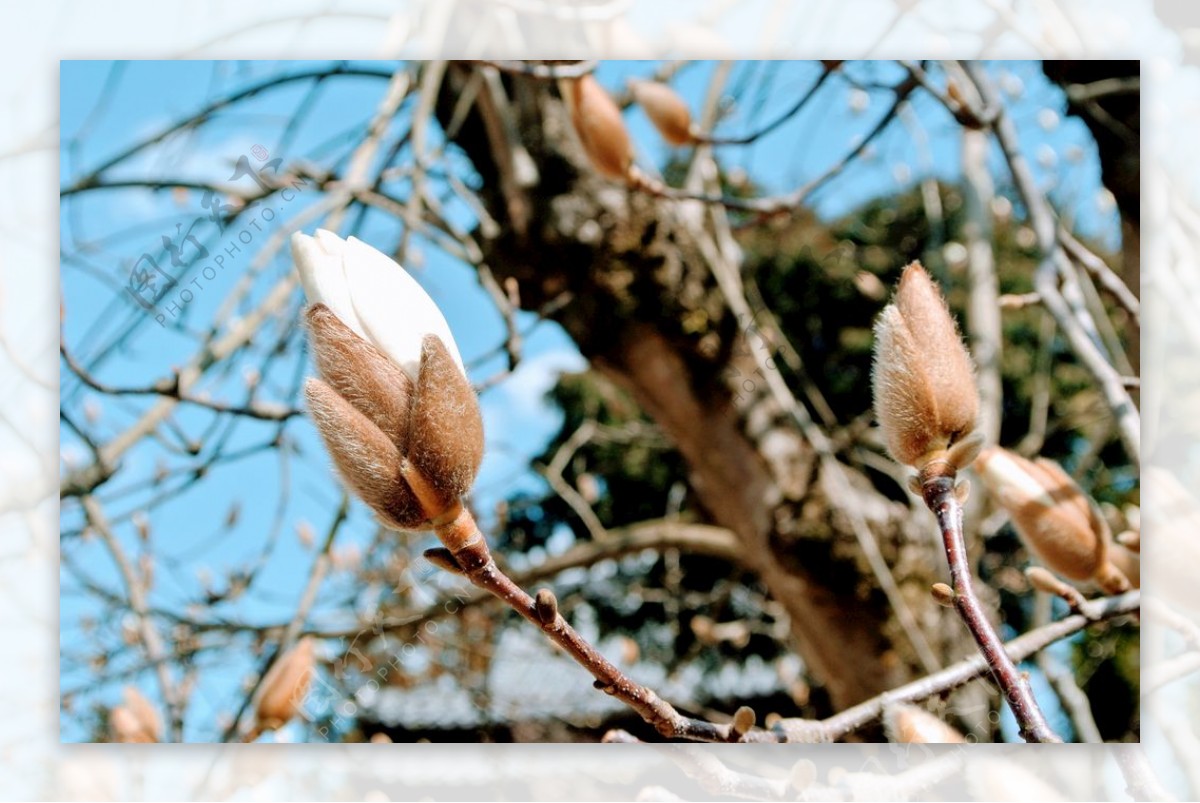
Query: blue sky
{"points": [[105, 107]]}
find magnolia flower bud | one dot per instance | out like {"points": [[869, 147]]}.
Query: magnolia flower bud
{"points": [[393, 404], [908, 724], [600, 127], [665, 109], [285, 687], [372, 295], [922, 379], [135, 721], [1053, 516]]}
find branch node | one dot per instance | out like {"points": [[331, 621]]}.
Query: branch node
{"points": [[444, 559], [943, 595], [546, 605], [743, 723]]}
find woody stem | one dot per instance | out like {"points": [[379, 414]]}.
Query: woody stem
{"points": [[458, 531], [940, 497]]}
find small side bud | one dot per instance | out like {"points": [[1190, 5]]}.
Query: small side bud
{"points": [[908, 724], [943, 595], [601, 129], [1131, 540], [546, 606], [285, 686], [665, 109], [135, 721], [443, 559], [962, 491], [1045, 581], [743, 722]]}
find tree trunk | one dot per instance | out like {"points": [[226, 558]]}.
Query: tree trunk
{"points": [[644, 310]]}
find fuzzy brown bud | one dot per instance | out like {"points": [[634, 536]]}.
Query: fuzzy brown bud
{"points": [[1053, 516], [922, 378], [360, 373], [446, 444], [665, 109], [601, 129], [135, 721], [285, 686], [366, 458], [908, 724], [389, 434]]}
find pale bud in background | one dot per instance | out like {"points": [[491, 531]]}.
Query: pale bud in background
{"points": [[908, 724], [665, 109], [922, 378], [285, 687], [601, 129], [1053, 516], [135, 720]]}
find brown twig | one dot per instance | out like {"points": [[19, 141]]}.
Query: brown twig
{"points": [[939, 492], [845, 722], [456, 529], [776, 205]]}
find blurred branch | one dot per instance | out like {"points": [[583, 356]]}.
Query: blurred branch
{"points": [[156, 652], [938, 683], [983, 307], [1046, 278], [699, 539], [170, 388], [776, 205], [1102, 273]]}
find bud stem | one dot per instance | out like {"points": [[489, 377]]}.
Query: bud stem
{"points": [[937, 488], [458, 531]]}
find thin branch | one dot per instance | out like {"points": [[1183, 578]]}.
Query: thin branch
{"points": [[470, 550], [169, 388], [941, 497], [1047, 276], [940, 683], [782, 204], [1101, 272], [156, 652], [796, 108]]}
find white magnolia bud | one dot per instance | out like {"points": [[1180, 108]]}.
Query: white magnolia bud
{"points": [[393, 404], [373, 295]]}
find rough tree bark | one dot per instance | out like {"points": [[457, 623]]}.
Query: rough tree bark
{"points": [[634, 279]]}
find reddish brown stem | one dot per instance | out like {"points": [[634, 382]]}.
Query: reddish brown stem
{"points": [[462, 537], [939, 493]]}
